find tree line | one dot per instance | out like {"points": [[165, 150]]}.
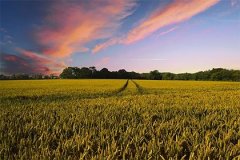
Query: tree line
{"points": [[216, 74], [24, 76]]}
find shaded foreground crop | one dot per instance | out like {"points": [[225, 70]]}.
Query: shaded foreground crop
{"points": [[188, 120]]}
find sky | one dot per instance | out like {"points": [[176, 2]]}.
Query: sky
{"points": [[137, 35]]}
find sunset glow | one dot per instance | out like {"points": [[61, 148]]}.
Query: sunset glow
{"points": [[190, 35]]}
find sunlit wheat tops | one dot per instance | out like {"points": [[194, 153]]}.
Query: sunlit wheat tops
{"points": [[119, 119]]}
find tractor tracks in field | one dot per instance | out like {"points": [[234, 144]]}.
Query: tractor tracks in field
{"points": [[65, 97], [140, 89], [60, 97], [123, 87]]}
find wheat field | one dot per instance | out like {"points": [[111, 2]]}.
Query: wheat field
{"points": [[119, 119]]}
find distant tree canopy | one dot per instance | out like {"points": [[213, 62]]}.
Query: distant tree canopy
{"points": [[91, 72], [156, 75], [216, 74]]}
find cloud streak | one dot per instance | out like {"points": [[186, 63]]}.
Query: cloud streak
{"points": [[71, 25], [150, 59], [102, 62], [29, 62], [176, 12], [168, 31], [67, 28], [106, 44]]}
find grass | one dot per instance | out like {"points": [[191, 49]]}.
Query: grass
{"points": [[113, 119]]}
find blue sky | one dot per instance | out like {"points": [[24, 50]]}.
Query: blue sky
{"points": [[170, 36]]}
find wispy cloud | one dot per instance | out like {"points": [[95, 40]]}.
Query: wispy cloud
{"points": [[235, 3], [66, 29], [30, 62], [71, 25], [102, 62], [168, 31], [176, 12], [3, 30], [6, 38], [106, 44], [149, 59]]}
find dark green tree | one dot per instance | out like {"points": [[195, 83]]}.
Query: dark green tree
{"points": [[167, 76], [122, 73], [104, 73], [155, 75], [68, 73]]}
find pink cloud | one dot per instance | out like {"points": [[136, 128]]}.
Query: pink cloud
{"points": [[41, 63], [15, 59], [168, 31], [106, 44], [102, 62], [10, 58], [176, 12], [71, 25]]}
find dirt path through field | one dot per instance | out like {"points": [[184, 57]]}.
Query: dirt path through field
{"points": [[139, 88], [123, 87], [130, 88]]}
